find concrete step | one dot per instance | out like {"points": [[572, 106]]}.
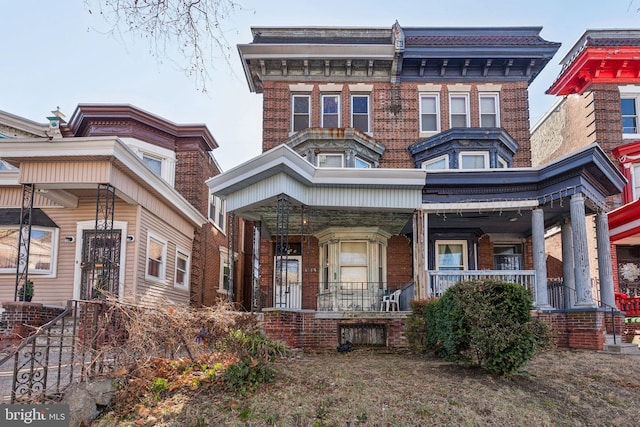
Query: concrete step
{"points": [[625, 348]]}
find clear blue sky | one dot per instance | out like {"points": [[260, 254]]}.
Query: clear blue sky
{"points": [[54, 54]]}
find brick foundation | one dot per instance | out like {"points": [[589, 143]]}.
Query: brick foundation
{"points": [[319, 331], [578, 329]]}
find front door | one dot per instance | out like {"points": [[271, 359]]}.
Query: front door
{"points": [[100, 265], [288, 282]]}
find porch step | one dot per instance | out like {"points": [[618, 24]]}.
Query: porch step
{"points": [[619, 347]]}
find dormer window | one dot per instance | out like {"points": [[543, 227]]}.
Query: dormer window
{"points": [[438, 163], [361, 163], [154, 163]]}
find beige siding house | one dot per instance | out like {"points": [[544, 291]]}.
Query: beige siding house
{"points": [[101, 202]]}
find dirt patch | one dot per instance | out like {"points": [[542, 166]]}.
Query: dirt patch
{"points": [[375, 388]]}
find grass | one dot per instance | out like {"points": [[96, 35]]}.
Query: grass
{"points": [[375, 388]]}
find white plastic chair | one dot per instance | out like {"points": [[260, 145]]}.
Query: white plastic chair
{"points": [[391, 302]]}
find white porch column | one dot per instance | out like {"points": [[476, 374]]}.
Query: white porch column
{"points": [[605, 273], [568, 269], [539, 258], [581, 252]]}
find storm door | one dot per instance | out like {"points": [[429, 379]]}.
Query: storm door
{"points": [[288, 282], [100, 265]]}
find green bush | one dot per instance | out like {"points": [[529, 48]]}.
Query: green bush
{"points": [[485, 323], [416, 326]]}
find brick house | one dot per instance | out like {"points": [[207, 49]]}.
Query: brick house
{"points": [[599, 86], [396, 162], [115, 199]]}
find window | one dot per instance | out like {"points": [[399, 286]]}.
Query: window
{"points": [[441, 162], [217, 211], [629, 110], [153, 163], [507, 257], [636, 182], [301, 112], [451, 255], [225, 271], [156, 258], [502, 163], [42, 250], [182, 270], [330, 111], [474, 160], [429, 113], [330, 160], [459, 108], [489, 117], [6, 166], [361, 163], [353, 262], [360, 112]]}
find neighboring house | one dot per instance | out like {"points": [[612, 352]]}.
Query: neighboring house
{"points": [[398, 159], [600, 89], [115, 200]]}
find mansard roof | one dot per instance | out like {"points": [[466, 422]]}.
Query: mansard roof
{"points": [[599, 56], [394, 54], [124, 120]]}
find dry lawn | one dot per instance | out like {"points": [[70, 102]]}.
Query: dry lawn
{"points": [[375, 388]]}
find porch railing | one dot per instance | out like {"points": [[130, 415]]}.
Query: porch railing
{"points": [[351, 296], [441, 280]]}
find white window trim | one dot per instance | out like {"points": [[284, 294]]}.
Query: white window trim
{"points": [[322, 113], [366, 162], [485, 155], [163, 265], [465, 261], [329, 154], [496, 97], [435, 95], [166, 156], [293, 97], [502, 162], [444, 157], [368, 96], [55, 243], [466, 106], [218, 204], [631, 91], [187, 273]]}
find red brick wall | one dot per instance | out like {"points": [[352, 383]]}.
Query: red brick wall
{"points": [[396, 130], [576, 329], [399, 271], [302, 329], [485, 253], [20, 319]]}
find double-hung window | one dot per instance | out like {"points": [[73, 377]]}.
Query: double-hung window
{"points": [[360, 112], [156, 258], [489, 110], [181, 279], [459, 110], [474, 160], [629, 109], [217, 211], [225, 271], [301, 112], [330, 111], [429, 112]]}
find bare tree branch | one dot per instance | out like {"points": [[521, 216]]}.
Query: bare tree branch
{"points": [[192, 29]]}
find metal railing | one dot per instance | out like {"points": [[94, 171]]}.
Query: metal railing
{"points": [[441, 280], [70, 348]]}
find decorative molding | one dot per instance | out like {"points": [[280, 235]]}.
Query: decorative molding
{"points": [[330, 87], [429, 87], [300, 87]]}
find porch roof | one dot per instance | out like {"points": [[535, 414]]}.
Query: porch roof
{"points": [[281, 170], [87, 162]]}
